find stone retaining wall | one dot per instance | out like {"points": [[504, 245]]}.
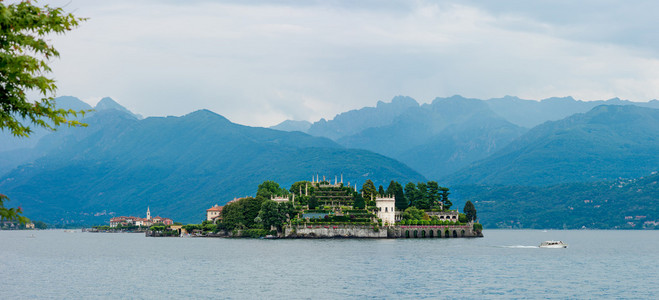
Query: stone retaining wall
{"points": [[333, 232], [430, 231], [409, 231]]}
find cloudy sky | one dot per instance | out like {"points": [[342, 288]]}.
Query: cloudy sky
{"points": [[261, 62]]}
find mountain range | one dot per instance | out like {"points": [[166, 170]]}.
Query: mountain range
{"points": [[179, 166], [606, 143], [448, 134]]}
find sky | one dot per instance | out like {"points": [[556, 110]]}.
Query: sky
{"points": [[261, 62]]}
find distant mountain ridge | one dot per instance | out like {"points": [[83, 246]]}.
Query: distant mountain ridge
{"points": [[108, 103], [355, 121], [290, 125], [431, 137], [608, 142], [448, 134], [179, 166], [530, 113]]}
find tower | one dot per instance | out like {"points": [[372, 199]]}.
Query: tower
{"points": [[148, 213]]}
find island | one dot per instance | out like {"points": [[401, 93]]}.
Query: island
{"points": [[322, 209]]}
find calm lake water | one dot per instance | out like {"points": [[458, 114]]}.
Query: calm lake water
{"points": [[503, 264]]}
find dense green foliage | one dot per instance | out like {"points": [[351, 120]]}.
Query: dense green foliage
{"points": [[269, 189], [606, 204], [273, 214], [427, 195], [25, 52], [396, 189], [413, 213], [11, 214]]}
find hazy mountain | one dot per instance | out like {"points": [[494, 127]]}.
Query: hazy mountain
{"points": [[355, 121], [439, 138], [605, 143], [290, 125], [179, 166], [9, 142], [619, 203], [458, 145], [15, 151], [107, 103], [530, 113]]}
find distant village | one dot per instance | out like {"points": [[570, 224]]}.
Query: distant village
{"points": [[124, 222]]}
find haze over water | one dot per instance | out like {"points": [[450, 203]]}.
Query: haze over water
{"points": [[504, 264]]}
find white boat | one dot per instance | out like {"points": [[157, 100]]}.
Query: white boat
{"points": [[553, 244]]}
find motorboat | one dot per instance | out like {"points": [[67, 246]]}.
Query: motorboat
{"points": [[553, 244]]}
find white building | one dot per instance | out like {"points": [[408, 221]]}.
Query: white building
{"points": [[386, 209]]}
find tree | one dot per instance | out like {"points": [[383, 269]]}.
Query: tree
{"points": [[313, 202], [422, 200], [40, 225], [24, 55], [396, 189], [287, 210], [359, 201], [411, 193], [11, 214], [232, 216], [301, 186], [445, 200], [369, 191], [470, 211], [381, 190], [270, 215], [251, 207], [270, 188], [413, 213], [433, 194]]}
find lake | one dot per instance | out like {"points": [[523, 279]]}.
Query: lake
{"points": [[504, 264]]}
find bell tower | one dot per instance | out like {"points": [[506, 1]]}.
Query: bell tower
{"points": [[148, 213]]}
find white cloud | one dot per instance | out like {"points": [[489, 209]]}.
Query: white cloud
{"points": [[260, 63]]}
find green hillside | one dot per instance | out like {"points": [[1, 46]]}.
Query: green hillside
{"points": [[606, 143], [179, 166], [623, 203]]}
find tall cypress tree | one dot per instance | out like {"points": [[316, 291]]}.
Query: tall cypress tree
{"points": [[433, 194], [470, 211], [445, 200], [411, 193], [369, 191], [422, 201], [396, 189]]}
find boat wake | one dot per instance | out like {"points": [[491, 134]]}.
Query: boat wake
{"points": [[520, 247]]}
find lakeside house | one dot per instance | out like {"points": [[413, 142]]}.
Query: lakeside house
{"points": [[214, 213], [137, 221]]}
